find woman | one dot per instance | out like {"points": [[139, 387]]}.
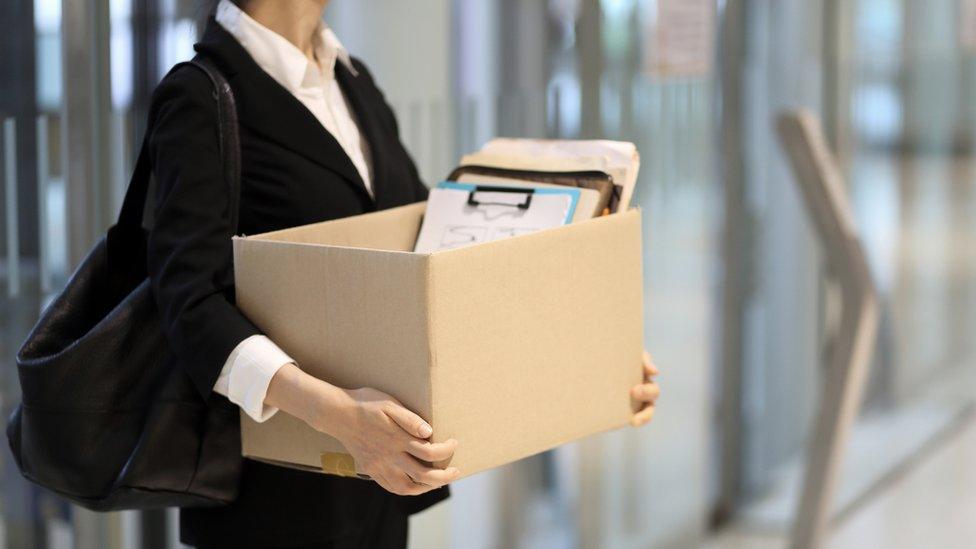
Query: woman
{"points": [[318, 142]]}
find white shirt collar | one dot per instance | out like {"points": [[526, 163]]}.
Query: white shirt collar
{"points": [[277, 56]]}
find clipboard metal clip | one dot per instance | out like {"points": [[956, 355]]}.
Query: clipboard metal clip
{"points": [[524, 205]]}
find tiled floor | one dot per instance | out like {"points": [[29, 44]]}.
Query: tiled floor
{"points": [[932, 505]]}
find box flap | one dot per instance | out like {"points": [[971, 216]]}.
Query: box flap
{"points": [[394, 229]]}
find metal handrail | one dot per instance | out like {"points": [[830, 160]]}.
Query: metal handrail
{"points": [[852, 342]]}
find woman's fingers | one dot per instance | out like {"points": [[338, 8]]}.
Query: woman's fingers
{"points": [[431, 477], [381, 479], [650, 369], [435, 478], [413, 479], [406, 486], [409, 421], [432, 451], [392, 478], [645, 392], [642, 417]]}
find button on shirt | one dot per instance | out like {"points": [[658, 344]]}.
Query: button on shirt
{"points": [[248, 370]]}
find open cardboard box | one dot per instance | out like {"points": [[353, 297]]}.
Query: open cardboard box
{"points": [[512, 347]]}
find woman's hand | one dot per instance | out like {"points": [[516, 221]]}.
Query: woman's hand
{"points": [[390, 444], [645, 393], [387, 441]]}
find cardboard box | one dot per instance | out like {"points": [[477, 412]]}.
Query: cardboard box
{"points": [[512, 347]]}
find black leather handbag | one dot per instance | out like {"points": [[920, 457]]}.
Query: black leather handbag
{"points": [[108, 419]]}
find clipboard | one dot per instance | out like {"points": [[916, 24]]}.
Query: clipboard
{"points": [[601, 182], [591, 203], [464, 214]]}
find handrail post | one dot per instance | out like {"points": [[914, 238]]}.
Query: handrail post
{"points": [[850, 351], [43, 185], [10, 203]]}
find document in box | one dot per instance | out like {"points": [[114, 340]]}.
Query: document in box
{"points": [[462, 214], [591, 204], [616, 158]]}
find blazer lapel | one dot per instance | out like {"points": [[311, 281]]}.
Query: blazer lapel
{"points": [[367, 117], [271, 110]]}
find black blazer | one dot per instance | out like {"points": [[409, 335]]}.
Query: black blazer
{"points": [[293, 172]]}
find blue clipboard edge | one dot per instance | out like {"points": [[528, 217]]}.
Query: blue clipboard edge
{"points": [[572, 192]]}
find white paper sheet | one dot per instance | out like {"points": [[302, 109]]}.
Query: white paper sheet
{"points": [[450, 222]]}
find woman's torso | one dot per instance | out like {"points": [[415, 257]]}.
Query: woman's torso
{"points": [[293, 172]]}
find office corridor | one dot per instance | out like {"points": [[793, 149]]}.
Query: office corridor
{"points": [[737, 297]]}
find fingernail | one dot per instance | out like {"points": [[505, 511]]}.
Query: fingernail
{"points": [[454, 471], [426, 430]]}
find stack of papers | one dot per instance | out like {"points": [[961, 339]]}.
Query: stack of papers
{"points": [[518, 186], [617, 158]]}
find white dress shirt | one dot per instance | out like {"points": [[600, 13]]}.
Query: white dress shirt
{"points": [[248, 370]]}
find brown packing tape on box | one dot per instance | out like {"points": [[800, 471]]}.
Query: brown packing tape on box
{"points": [[343, 465]]}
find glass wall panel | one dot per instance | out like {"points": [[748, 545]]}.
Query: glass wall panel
{"points": [[887, 79]]}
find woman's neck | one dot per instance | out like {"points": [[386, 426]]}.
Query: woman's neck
{"points": [[295, 20]]}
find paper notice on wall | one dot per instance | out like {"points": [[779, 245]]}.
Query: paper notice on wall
{"points": [[967, 25], [681, 40]]}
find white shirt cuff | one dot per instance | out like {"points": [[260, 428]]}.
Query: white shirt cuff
{"points": [[247, 373]]}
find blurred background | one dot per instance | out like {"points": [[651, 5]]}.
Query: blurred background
{"points": [[735, 284]]}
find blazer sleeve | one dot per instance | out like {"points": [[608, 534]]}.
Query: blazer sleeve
{"points": [[189, 246]]}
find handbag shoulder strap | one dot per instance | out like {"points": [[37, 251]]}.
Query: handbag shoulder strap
{"points": [[135, 203]]}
